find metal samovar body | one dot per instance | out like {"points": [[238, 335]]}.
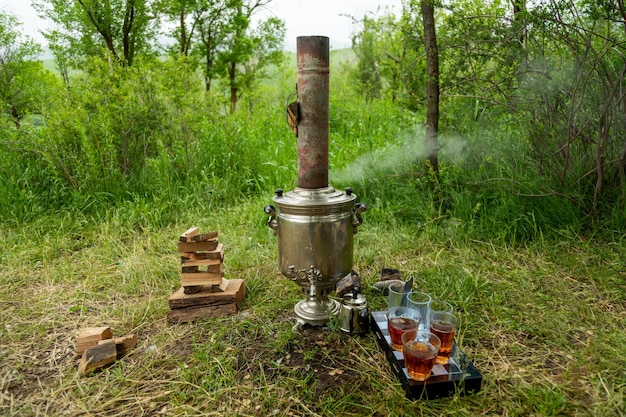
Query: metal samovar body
{"points": [[315, 224]]}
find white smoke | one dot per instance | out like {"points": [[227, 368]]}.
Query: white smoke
{"points": [[397, 158]]}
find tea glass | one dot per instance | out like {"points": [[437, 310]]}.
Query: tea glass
{"points": [[444, 325], [420, 350], [399, 321]]}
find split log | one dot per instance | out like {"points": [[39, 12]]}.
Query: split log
{"points": [[206, 245], [191, 232], [98, 357], [217, 253], [90, 337], [348, 284], [204, 236]]}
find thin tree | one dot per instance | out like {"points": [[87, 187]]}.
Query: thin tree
{"points": [[432, 85]]}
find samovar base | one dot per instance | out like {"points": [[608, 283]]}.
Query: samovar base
{"points": [[314, 312]]}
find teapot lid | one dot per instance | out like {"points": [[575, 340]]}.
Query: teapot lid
{"points": [[350, 300]]}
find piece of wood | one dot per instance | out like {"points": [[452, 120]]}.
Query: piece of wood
{"points": [[222, 287], [204, 236], [206, 304], [217, 253], [233, 293], [190, 233], [201, 278], [206, 245], [200, 262], [123, 344], [98, 357], [207, 288], [209, 265], [192, 289], [90, 337]]}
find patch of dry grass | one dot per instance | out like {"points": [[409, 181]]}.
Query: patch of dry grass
{"points": [[544, 324]]}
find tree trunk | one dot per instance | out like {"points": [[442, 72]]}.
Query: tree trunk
{"points": [[184, 44], [127, 36], [16, 117], [233, 87], [432, 85], [103, 27]]}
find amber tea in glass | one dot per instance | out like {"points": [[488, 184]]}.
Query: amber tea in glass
{"points": [[400, 320], [420, 350], [444, 325]]}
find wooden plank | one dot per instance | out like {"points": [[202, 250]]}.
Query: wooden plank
{"points": [[234, 292], [204, 236], [201, 278], [90, 337], [210, 288], [207, 245], [218, 253], [200, 262], [98, 357], [194, 269], [206, 304], [189, 234], [209, 265]]}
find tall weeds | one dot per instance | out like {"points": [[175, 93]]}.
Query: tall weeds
{"points": [[146, 145]]}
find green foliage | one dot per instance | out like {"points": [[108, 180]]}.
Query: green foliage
{"points": [[115, 29], [24, 84], [219, 35], [367, 71]]}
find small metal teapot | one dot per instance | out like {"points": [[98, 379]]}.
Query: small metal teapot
{"points": [[354, 314]]}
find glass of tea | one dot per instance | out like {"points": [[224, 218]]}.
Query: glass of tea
{"points": [[420, 350], [444, 325], [400, 320]]}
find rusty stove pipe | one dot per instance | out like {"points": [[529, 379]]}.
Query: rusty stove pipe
{"points": [[312, 56]]}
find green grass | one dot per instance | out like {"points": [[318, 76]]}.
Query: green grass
{"points": [[544, 322]]}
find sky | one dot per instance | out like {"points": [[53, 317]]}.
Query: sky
{"points": [[302, 17]]}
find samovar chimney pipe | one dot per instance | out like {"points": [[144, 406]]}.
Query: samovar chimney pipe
{"points": [[312, 55]]}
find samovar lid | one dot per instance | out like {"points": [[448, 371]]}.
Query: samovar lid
{"points": [[325, 200]]}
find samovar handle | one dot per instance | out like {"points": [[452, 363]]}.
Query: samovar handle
{"points": [[356, 211], [272, 223]]}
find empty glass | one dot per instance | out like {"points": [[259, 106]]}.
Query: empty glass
{"points": [[439, 305], [420, 301], [398, 294]]}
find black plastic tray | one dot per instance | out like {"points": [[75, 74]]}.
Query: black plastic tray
{"points": [[460, 375]]}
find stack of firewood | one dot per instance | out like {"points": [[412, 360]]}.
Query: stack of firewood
{"points": [[205, 292], [202, 260]]}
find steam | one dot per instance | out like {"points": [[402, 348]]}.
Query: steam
{"points": [[397, 158]]}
